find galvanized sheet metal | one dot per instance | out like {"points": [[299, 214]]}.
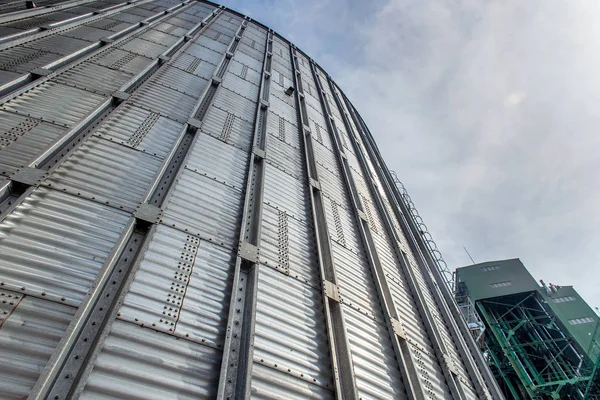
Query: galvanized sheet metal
{"points": [[209, 152], [203, 53], [140, 363], [59, 44], [140, 129], [121, 60], [290, 335], [288, 245], [182, 287], [205, 208], [23, 138], [194, 65], [183, 82], [357, 288], [286, 193], [93, 78], [107, 172], [375, 367], [240, 86], [143, 47], [75, 104], [228, 127], [164, 101], [30, 329], [54, 244], [235, 104]]}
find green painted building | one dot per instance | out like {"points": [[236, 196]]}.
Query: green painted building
{"points": [[542, 341]]}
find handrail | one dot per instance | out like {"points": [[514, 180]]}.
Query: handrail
{"points": [[431, 245]]}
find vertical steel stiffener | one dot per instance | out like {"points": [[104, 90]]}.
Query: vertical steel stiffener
{"points": [[191, 208]]}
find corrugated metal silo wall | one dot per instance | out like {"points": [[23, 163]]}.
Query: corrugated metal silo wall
{"points": [[191, 208]]}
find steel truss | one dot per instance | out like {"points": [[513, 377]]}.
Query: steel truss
{"points": [[531, 355]]}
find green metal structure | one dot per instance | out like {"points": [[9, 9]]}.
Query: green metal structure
{"points": [[542, 342]]}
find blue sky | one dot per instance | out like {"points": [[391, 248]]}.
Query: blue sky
{"points": [[487, 110]]}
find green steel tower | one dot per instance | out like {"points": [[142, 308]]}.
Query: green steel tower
{"points": [[541, 341]]}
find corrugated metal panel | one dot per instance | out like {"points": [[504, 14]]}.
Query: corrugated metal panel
{"points": [[181, 81], [245, 59], [182, 287], [29, 333], [284, 108], [205, 208], [288, 245], [40, 102], [93, 78], [208, 152], [375, 367], [140, 129], [106, 172], [290, 334], [164, 101], [87, 33], [286, 193], [59, 44], [355, 280], [235, 104], [228, 127], [194, 65], [244, 72], [211, 43], [7, 76], [110, 24], [156, 36], [170, 28], [121, 60], [143, 47], [139, 363], [283, 130], [203, 53], [240, 86], [285, 157], [23, 138], [23, 59], [430, 374], [271, 384], [54, 244]]}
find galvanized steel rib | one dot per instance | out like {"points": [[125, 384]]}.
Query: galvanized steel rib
{"points": [[341, 358]]}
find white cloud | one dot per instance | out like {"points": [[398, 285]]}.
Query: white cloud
{"points": [[488, 112]]}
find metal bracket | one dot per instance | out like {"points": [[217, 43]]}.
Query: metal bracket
{"points": [[315, 183], [238, 38], [148, 212], [264, 103], [398, 328], [362, 215], [46, 27], [248, 252], [228, 55], [195, 123], [267, 75], [106, 40], [41, 71], [307, 130], [120, 96], [216, 81], [259, 153], [163, 59], [450, 364], [29, 176], [332, 291], [187, 38], [343, 155]]}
